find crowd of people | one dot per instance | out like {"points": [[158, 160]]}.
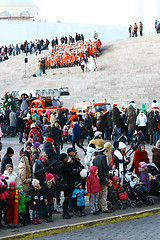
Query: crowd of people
{"points": [[133, 30], [45, 171]]}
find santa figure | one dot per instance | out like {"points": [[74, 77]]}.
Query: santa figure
{"points": [[155, 106]]}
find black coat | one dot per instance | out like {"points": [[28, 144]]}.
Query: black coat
{"points": [[35, 198], [39, 170], [77, 167], [49, 193], [57, 137], [100, 161], [5, 160], [51, 153], [116, 117], [21, 124], [65, 172]]}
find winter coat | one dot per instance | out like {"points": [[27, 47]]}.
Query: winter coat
{"points": [[40, 167], [98, 142], [116, 117], [51, 153], [35, 134], [61, 119], [88, 123], [156, 156], [140, 157], [23, 198], [120, 163], [103, 168], [77, 167], [141, 120], [13, 119], [93, 183], [144, 177], [65, 173], [5, 160], [76, 132], [131, 118], [12, 177], [90, 151], [35, 198], [35, 154], [79, 194], [21, 124], [24, 175], [57, 136], [100, 122], [49, 193], [108, 123]]}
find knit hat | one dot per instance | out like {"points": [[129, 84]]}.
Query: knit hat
{"points": [[83, 173], [101, 149], [77, 184], [36, 144], [49, 176], [35, 182], [10, 150], [109, 181], [143, 164], [121, 145], [49, 140], [71, 150], [115, 105], [19, 187], [97, 133], [12, 184]]}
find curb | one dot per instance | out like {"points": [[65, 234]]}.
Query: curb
{"points": [[88, 224]]}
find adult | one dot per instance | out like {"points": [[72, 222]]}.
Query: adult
{"points": [[90, 150], [97, 140], [116, 117], [131, 121], [155, 122], [61, 119], [35, 149], [100, 121], [57, 137], [11, 174], [108, 147], [141, 28], [140, 155], [77, 168], [103, 169], [7, 159], [13, 122], [65, 173], [76, 137], [88, 125], [108, 124], [130, 33], [135, 29], [72, 116], [120, 160], [21, 126], [141, 122], [156, 154], [35, 133]]}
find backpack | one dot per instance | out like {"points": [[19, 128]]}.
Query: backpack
{"points": [[36, 136]]}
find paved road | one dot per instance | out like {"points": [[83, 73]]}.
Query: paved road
{"points": [[139, 229]]}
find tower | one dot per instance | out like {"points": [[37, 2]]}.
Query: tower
{"points": [[18, 10]]}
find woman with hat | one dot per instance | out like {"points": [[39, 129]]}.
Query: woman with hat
{"points": [[140, 155]]}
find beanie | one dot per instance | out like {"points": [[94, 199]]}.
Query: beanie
{"points": [[36, 144], [143, 164], [49, 140], [101, 149], [114, 105], [10, 150], [83, 173], [49, 176], [121, 145], [77, 184], [12, 184], [19, 187], [35, 182]]}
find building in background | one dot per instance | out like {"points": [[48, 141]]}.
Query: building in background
{"points": [[19, 10]]}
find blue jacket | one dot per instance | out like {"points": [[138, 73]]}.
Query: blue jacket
{"points": [[76, 132], [79, 194]]}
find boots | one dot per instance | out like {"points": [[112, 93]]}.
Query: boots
{"points": [[65, 215], [38, 221], [34, 221]]}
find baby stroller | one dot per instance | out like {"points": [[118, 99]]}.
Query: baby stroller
{"points": [[116, 136], [154, 173], [134, 193]]}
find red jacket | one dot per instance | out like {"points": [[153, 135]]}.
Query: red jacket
{"points": [[140, 157], [93, 183]]}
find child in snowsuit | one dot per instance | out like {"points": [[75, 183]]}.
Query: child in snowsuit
{"points": [[122, 194], [4, 196], [36, 195], [11, 203], [78, 194], [112, 192], [65, 134], [138, 186], [23, 198], [143, 173], [93, 188], [49, 194]]}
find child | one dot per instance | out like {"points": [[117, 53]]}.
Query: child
{"points": [[143, 173], [4, 196], [122, 194], [23, 198], [65, 134], [138, 186], [10, 205], [112, 193], [35, 193], [70, 133], [1, 133], [78, 195], [49, 194], [93, 188]]}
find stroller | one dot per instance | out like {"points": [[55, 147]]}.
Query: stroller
{"points": [[154, 179], [134, 193], [116, 136]]}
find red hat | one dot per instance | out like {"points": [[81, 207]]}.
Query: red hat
{"points": [[49, 140], [115, 105], [12, 184], [49, 176]]}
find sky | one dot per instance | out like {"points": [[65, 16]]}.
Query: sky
{"points": [[103, 12]]}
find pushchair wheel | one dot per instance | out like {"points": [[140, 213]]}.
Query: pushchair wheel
{"points": [[121, 207], [133, 204], [110, 206], [150, 201], [140, 204]]}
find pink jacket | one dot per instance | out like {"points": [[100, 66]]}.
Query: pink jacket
{"points": [[93, 183]]}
